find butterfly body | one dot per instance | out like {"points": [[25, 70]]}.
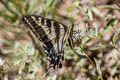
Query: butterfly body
{"points": [[53, 34]]}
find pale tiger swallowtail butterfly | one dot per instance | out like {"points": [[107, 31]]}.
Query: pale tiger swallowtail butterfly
{"points": [[52, 33]]}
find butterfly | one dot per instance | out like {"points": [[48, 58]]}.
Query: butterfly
{"points": [[52, 34]]}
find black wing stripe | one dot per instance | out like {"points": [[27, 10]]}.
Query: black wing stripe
{"points": [[57, 31], [49, 23]]}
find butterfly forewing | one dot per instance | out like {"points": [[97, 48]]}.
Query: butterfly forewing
{"points": [[46, 30]]}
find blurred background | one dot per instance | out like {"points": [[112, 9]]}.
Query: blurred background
{"points": [[99, 28]]}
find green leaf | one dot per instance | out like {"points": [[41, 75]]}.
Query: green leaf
{"points": [[115, 38], [113, 71], [101, 47], [89, 14], [96, 11], [98, 67], [110, 22], [70, 8]]}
